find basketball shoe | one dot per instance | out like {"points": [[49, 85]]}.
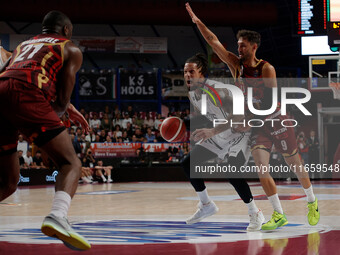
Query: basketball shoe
{"points": [[313, 213], [60, 228], [256, 221], [202, 212], [276, 221]]}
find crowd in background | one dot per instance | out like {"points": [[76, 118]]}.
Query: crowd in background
{"points": [[108, 126]]}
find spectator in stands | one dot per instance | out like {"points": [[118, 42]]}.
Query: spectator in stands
{"points": [[134, 139], [103, 171], [303, 148], [72, 131], [116, 111], [158, 122], [90, 137], [97, 139], [117, 120], [95, 122], [28, 158], [119, 139], [313, 148], [134, 122], [139, 121], [130, 130], [117, 132], [185, 148], [139, 135], [144, 129], [149, 122], [87, 117], [21, 159], [108, 112], [150, 137], [79, 132], [125, 137], [38, 161], [102, 136], [108, 139], [126, 120], [106, 123], [22, 144], [130, 111]]}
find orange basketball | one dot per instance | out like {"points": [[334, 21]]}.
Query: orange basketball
{"points": [[173, 129]]}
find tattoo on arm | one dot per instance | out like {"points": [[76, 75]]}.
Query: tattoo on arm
{"points": [[210, 37]]}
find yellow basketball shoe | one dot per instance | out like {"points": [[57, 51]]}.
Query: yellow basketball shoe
{"points": [[277, 220], [60, 228], [313, 213]]}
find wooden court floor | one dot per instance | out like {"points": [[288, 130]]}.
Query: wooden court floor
{"points": [[149, 218]]}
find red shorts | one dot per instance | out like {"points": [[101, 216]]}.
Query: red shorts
{"points": [[24, 108], [282, 137]]}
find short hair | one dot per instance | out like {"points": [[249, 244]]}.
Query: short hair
{"points": [[55, 20], [251, 36], [201, 60]]}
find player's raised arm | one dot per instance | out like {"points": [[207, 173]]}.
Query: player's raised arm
{"points": [[226, 56], [72, 62]]}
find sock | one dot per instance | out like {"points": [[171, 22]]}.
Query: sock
{"points": [[310, 194], [109, 177], [204, 197], [276, 204], [252, 208], [61, 204], [103, 177]]}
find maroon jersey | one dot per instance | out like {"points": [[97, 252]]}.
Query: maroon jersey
{"points": [[245, 78], [37, 62]]}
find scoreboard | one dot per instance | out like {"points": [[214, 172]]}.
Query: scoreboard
{"points": [[333, 16], [312, 17]]}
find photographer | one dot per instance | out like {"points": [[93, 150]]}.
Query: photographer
{"points": [[88, 166]]}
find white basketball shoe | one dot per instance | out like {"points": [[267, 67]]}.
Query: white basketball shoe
{"points": [[202, 212], [256, 221]]}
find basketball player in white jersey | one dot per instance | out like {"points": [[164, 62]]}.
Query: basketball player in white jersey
{"points": [[216, 142]]}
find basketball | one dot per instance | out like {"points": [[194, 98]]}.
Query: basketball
{"points": [[173, 129]]}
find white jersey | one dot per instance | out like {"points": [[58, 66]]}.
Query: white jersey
{"points": [[226, 142]]}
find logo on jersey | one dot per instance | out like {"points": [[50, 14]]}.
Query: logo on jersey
{"points": [[212, 97]]}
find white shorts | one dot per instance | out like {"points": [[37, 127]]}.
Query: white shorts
{"points": [[230, 146]]}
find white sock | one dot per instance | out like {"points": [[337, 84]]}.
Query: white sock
{"points": [[252, 208], [310, 194], [103, 177], [109, 177], [61, 204], [204, 197], [276, 204]]}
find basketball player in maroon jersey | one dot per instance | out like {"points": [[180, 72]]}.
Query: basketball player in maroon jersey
{"points": [[35, 91], [246, 65]]}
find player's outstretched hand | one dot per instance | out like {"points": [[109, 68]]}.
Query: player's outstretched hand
{"points": [[202, 134], [191, 13], [77, 118]]}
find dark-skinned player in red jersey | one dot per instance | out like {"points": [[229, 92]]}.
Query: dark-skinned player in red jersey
{"points": [[243, 68], [35, 91]]}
